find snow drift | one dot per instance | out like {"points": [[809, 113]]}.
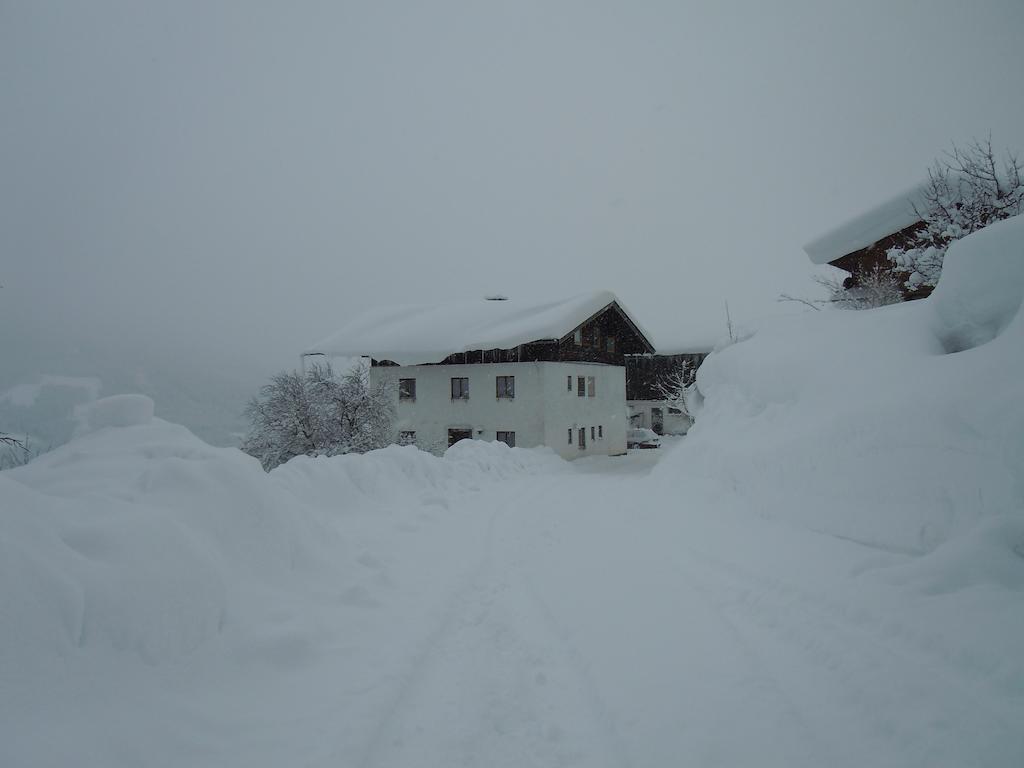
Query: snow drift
{"points": [[863, 425]]}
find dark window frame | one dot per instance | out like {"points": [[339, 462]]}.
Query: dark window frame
{"points": [[582, 439], [591, 386], [509, 438], [463, 387], [600, 431], [581, 386], [404, 392], [505, 387], [407, 437]]}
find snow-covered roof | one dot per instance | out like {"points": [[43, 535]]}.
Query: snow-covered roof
{"points": [[413, 334], [881, 221]]}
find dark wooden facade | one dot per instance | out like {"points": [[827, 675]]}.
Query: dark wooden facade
{"points": [[645, 372], [867, 259], [607, 336]]}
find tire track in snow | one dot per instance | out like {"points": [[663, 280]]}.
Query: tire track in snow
{"points": [[483, 689]]}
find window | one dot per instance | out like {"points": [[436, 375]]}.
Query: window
{"points": [[505, 386], [600, 432], [581, 386], [460, 388], [582, 443], [592, 433], [591, 386], [577, 337], [568, 384], [570, 435], [610, 343], [407, 389], [508, 438], [674, 411], [407, 437], [454, 435]]}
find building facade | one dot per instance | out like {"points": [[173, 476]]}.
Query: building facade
{"points": [[576, 408], [549, 374]]}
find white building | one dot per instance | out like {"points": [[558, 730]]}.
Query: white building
{"points": [[496, 369]]}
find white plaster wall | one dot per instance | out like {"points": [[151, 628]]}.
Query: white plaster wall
{"points": [[563, 409], [540, 413], [433, 411]]}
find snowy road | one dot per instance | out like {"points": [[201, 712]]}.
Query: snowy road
{"points": [[587, 630], [558, 618], [591, 632]]}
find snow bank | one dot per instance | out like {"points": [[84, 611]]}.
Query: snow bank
{"points": [[859, 425], [982, 286], [143, 539], [114, 411]]}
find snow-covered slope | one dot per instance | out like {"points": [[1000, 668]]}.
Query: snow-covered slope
{"points": [[901, 427]]}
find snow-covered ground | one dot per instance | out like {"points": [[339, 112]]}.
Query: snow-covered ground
{"points": [[829, 570]]}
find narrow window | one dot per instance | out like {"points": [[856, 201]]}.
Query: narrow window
{"points": [[568, 383], [581, 386], [407, 437], [577, 337], [508, 438], [600, 432], [570, 435], [591, 386], [592, 437], [582, 444], [407, 389], [460, 388], [610, 343], [505, 386]]}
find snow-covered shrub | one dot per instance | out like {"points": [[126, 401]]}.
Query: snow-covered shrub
{"points": [[867, 289], [317, 413], [967, 191]]}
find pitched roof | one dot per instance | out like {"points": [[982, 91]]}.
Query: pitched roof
{"points": [[412, 334], [871, 226]]}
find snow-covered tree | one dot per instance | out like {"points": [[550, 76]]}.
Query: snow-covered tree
{"points": [[317, 413], [967, 190], [678, 388]]}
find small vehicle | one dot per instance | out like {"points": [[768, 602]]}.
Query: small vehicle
{"points": [[641, 437]]}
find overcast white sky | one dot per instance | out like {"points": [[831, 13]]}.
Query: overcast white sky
{"points": [[244, 177]]}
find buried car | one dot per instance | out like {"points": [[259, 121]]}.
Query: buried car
{"points": [[641, 437]]}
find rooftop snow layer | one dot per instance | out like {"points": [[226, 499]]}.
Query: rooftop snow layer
{"points": [[868, 228], [413, 334]]}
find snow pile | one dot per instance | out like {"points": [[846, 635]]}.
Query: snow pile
{"points": [[982, 286], [860, 425], [146, 540], [114, 411]]}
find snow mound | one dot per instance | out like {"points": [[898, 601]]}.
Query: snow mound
{"points": [[114, 411], [982, 286], [151, 543], [858, 425]]}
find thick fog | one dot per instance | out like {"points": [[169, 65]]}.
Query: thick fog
{"points": [[195, 191]]}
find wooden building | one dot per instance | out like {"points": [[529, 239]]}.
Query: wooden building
{"points": [[860, 244]]}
